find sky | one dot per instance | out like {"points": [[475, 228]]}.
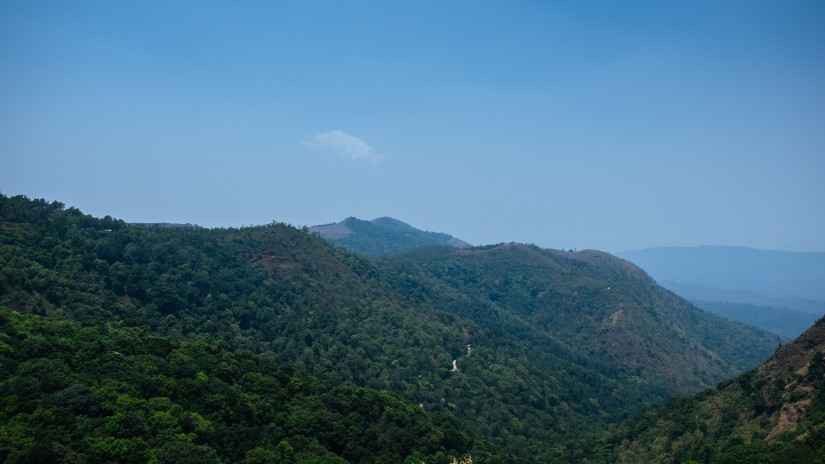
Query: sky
{"points": [[567, 124]]}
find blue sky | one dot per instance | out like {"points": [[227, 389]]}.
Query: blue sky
{"points": [[609, 125]]}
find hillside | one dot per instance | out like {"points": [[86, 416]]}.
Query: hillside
{"points": [[596, 307], [772, 414], [97, 393], [382, 236], [521, 347]]}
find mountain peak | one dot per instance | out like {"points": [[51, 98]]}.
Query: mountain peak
{"points": [[383, 236], [334, 230], [387, 222]]}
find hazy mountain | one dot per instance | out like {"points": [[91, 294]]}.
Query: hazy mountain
{"points": [[707, 293], [772, 414], [775, 290], [382, 236], [786, 322]]}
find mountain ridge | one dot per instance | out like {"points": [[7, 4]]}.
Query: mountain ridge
{"points": [[383, 235]]}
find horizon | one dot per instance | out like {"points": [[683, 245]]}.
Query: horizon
{"points": [[299, 226], [583, 249], [569, 126]]}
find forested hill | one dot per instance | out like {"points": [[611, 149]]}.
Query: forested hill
{"points": [[383, 236], [97, 393], [522, 347], [774, 414], [600, 309]]}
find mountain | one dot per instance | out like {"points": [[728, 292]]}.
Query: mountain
{"points": [[597, 307], [517, 348], [382, 236], [775, 290], [772, 414]]}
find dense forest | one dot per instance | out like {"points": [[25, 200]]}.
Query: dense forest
{"points": [[774, 414], [602, 308], [96, 393], [505, 352]]}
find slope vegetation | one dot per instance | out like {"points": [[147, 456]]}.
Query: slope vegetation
{"points": [[591, 305], [772, 414], [101, 394]]}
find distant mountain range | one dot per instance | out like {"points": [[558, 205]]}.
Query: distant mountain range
{"points": [[777, 290], [773, 290], [165, 224], [382, 236], [781, 274]]}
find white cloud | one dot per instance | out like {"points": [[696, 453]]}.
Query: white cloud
{"points": [[341, 143]]}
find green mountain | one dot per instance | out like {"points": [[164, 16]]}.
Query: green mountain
{"points": [[382, 236], [772, 414], [601, 310], [521, 348]]}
